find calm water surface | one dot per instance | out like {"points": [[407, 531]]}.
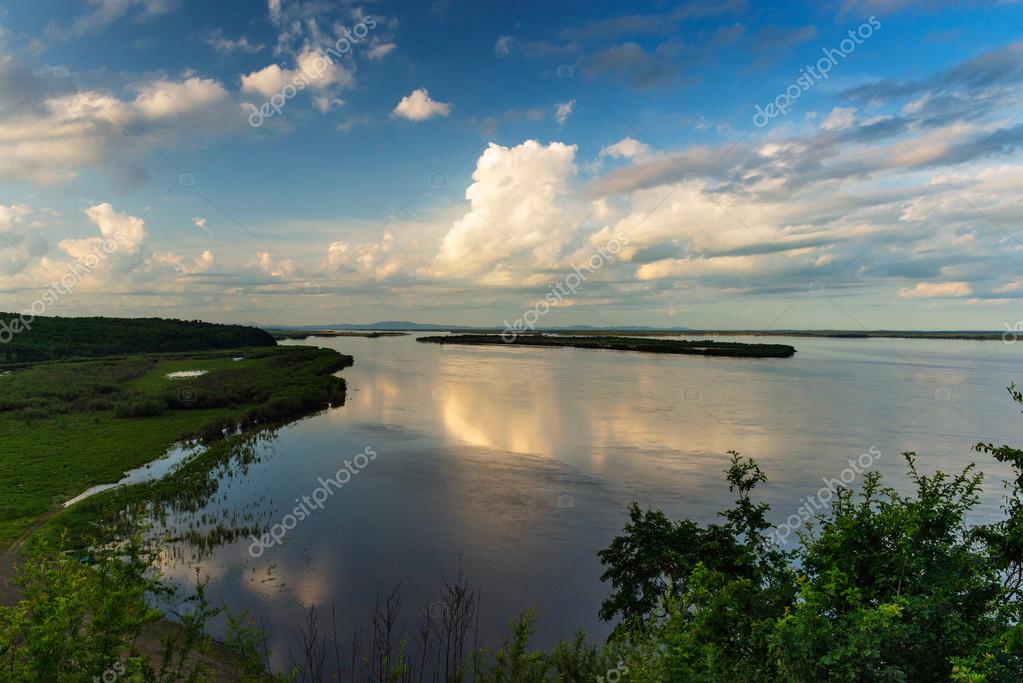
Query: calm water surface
{"points": [[517, 464]]}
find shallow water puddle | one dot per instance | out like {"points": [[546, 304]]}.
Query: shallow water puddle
{"points": [[185, 374], [151, 471]]}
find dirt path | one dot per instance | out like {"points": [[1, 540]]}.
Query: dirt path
{"points": [[9, 593]]}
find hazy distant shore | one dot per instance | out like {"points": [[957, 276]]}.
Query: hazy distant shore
{"points": [[385, 328]]}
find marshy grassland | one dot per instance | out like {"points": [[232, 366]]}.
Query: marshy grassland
{"points": [[69, 425]]}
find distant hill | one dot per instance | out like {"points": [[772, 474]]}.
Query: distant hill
{"points": [[402, 325], [407, 326], [59, 338]]}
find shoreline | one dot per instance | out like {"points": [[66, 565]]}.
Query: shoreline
{"points": [[621, 343], [959, 335]]}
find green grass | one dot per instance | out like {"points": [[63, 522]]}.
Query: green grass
{"points": [[156, 379], [71, 425]]}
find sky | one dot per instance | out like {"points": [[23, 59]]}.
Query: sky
{"points": [[732, 164]]}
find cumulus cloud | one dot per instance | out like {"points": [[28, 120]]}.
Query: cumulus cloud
{"points": [[418, 106], [20, 240], [112, 246], [267, 81], [50, 140], [627, 148], [904, 189], [312, 69], [517, 210], [273, 265], [128, 231], [164, 99], [378, 259]]}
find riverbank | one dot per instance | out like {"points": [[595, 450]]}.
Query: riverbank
{"points": [[71, 425], [672, 346]]}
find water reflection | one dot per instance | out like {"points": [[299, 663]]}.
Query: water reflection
{"points": [[517, 463]]}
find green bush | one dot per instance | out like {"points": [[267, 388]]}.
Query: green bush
{"points": [[140, 407], [884, 587]]}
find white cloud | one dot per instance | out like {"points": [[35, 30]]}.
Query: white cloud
{"points": [[17, 216], [163, 99], [839, 118], [267, 81], [503, 46], [378, 260], [312, 69], [129, 231], [932, 290], [627, 148], [49, 141], [517, 209], [563, 110], [220, 43], [274, 7], [417, 106], [274, 266], [380, 50], [325, 104], [169, 264], [205, 261]]}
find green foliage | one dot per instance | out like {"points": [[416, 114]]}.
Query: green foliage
{"points": [[73, 424], [79, 618], [57, 338], [88, 617], [888, 588], [147, 406], [657, 558]]}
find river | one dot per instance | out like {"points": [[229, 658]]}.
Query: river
{"points": [[517, 464]]}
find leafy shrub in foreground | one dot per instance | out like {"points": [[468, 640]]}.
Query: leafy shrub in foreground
{"points": [[885, 587]]}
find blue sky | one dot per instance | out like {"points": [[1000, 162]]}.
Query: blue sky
{"points": [[455, 162]]}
